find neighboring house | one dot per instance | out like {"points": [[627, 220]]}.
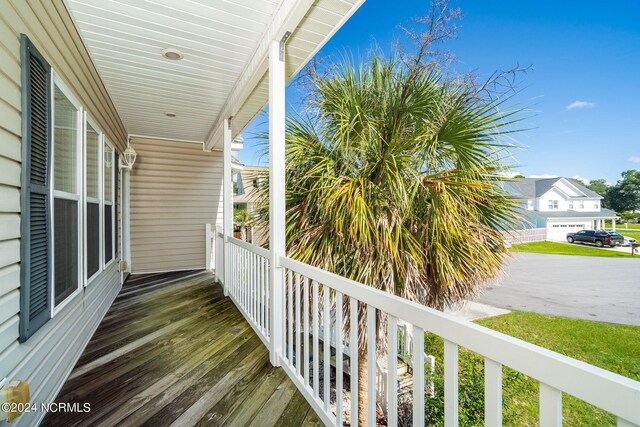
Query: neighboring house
{"points": [[248, 180], [560, 205]]}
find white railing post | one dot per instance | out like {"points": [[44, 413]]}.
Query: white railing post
{"points": [[450, 384], [207, 249], [418, 375], [550, 406], [492, 393], [277, 206], [227, 202], [392, 372], [219, 255]]}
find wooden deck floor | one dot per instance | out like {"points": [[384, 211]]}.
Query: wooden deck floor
{"points": [[172, 350]]}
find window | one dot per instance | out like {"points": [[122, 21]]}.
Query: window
{"points": [[570, 205], [581, 205], [66, 193], [109, 186], [68, 180], [553, 204], [596, 205], [93, 148]]}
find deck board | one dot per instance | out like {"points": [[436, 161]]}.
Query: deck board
{"points": [[172, 350]]}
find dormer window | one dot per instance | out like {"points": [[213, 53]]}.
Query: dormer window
{"points": [[596, 205], [581, 205], [570, 205], [553, 205]]}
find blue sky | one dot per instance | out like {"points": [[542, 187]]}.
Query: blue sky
{"points": [[583, 88]]}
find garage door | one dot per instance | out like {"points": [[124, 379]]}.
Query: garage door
{"points": [[558, 232]]}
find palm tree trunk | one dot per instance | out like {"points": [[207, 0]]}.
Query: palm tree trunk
{"points": [[362, 387]]}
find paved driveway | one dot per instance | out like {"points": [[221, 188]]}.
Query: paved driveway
{"points": [[592, 288]]}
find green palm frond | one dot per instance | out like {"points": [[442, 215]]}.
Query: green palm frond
{"points": [[395, 179]]}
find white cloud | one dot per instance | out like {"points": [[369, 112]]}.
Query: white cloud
{"points": [[580, 104], [634, 159]]}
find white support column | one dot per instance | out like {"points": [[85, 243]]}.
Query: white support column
{"points": [[227, 203], [613, 224], [276, 194]]}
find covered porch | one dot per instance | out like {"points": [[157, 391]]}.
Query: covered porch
{"points": [[274, 351]]}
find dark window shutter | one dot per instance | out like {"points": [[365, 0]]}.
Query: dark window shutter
{"points": [[35, 246]]}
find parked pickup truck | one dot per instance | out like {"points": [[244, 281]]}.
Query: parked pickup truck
{"points": [[598, 238]]}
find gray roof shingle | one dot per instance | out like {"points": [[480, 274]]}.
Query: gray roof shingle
{"points": [[603, 213], [536, 187]]}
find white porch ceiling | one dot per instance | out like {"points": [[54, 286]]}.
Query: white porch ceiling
{"points": [[224, 66]]}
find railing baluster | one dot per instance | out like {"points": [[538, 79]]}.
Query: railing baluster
{"points": [[263, 292], [550, 406], [316, 350], [236, 260], [450, 384], [326, 326], [267, 295], [392, 372], [298, 328], [371, 365], [492, 393], [418, 376], [290, 315], [243, 279], [250, 284], [306, 331], [254, 287], [339, 358], [353, 358]]}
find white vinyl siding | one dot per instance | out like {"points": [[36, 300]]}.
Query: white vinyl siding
{"points": [[176, 189], [48, 356]]}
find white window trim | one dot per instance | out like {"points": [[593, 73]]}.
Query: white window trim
{"points": [[112, 203], [56, 81], [99, 201]]}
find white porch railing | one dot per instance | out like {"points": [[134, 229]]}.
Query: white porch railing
{"points": [[248, 284], [312, 294]]}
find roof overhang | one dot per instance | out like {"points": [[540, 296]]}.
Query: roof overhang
{"points": [[224, 70]]}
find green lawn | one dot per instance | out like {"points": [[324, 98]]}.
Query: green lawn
{"points": [[568, 249], [632, 231], [612, 347]]}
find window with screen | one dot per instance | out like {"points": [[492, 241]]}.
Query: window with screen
{"points": [[93, 147], [109, 201], [66, 194]]}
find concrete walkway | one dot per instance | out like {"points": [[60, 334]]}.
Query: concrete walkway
{"points": [[472, 310], [591, 288]]}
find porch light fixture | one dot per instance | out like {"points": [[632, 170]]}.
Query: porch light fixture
{"points": [[172, 54], [129, 157]]}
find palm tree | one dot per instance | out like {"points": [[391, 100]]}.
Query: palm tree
{"points": [[242, 219], [394, 178]]}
